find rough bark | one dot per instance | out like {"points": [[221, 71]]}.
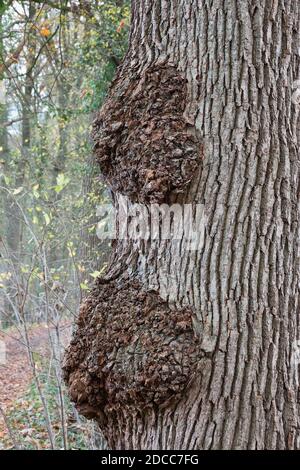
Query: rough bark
{"points": [[239, 294]]}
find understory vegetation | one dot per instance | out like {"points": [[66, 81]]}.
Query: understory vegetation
{"points": [[57, 60]]}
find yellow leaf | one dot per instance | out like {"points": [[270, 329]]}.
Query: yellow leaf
{"points": [[47, 218], [45, 32], [17, 190]]}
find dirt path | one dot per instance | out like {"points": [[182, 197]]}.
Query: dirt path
{"points": [[16, 373]]}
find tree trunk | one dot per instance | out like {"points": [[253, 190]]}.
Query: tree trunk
{"points": [[183, 349], [5, 307], [14, 229]]}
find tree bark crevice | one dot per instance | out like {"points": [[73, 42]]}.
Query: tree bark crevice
{"points": [[240, 61]]}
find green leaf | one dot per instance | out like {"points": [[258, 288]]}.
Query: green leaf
{"points": [[35, 191], [95, 274], [47, 218], [62, 181], [3, 7], [84, 286]]}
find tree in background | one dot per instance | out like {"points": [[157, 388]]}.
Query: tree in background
{"points": [[180, 349], [57, 60]]}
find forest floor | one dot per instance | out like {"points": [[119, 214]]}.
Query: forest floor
{"points": [[16, 375]]}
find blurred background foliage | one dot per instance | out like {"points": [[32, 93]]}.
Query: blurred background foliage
{"points": [[57, 59]]}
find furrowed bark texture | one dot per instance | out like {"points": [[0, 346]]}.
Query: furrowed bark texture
{"points": [[179, 349]]}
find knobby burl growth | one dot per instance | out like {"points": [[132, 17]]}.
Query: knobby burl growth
{"points": [[130, 348], [144, 145]]}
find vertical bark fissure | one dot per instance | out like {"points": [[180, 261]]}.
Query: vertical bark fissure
{"points": [[240, 60]]}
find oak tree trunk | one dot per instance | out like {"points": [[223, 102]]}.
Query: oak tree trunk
{"points": [[182, 349]]}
